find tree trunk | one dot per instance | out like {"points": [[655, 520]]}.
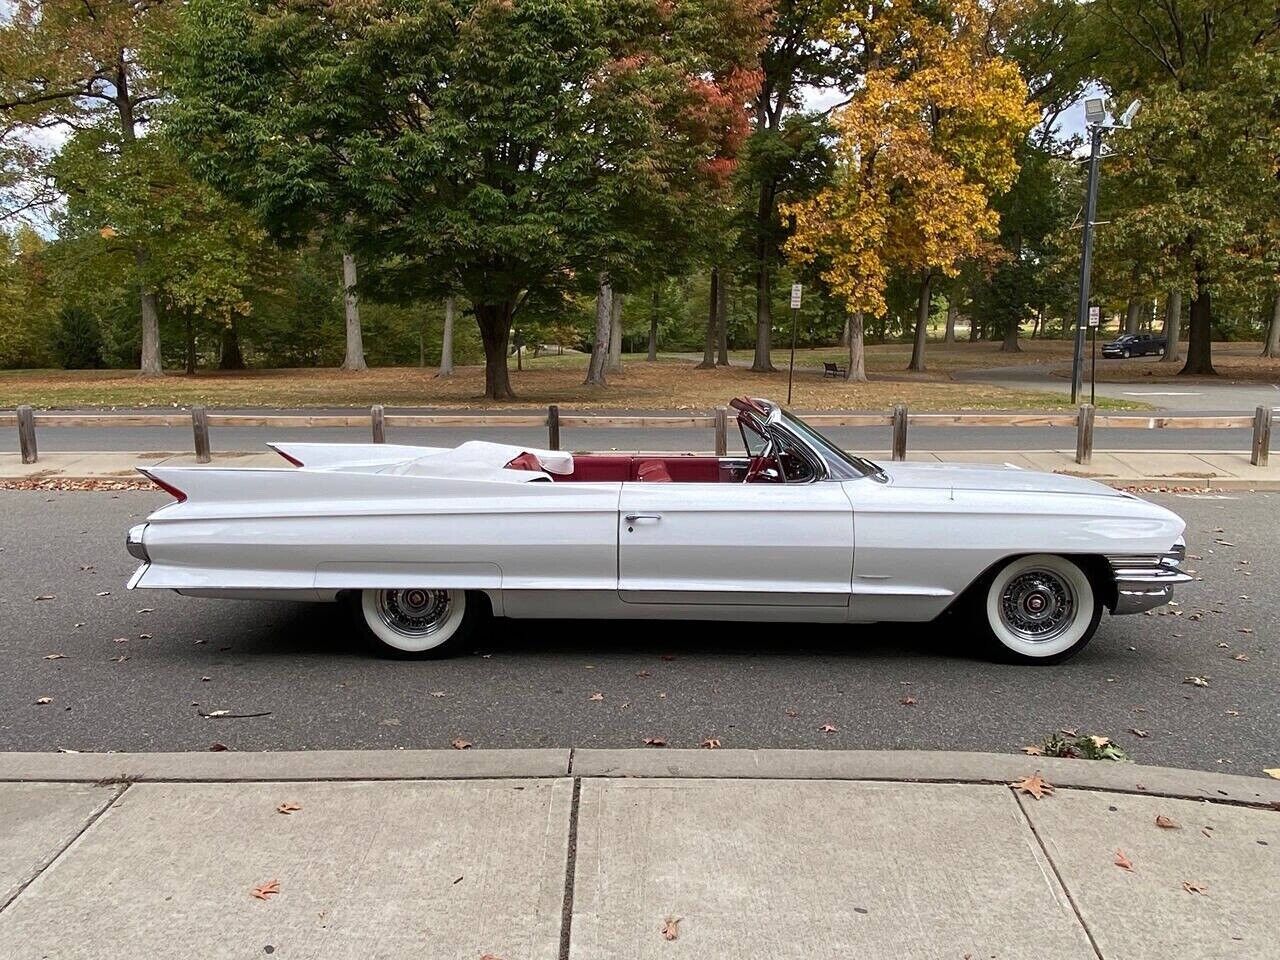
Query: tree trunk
{"points": [[1172, 327], [1133, 315], [596, 372], [191, 346], [229, 355], [1010, 344], [974, 329], [446, 339], [354, 359], [1200, 341], [762, 362], [1272, 347], [494, 320], [722, 319], [653, 325], [615, 333], [856, 369], [150, 365], [709, 345], [953, 312], [922, 322]]}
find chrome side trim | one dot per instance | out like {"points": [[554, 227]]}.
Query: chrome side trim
{"points": [[1144, 581]]}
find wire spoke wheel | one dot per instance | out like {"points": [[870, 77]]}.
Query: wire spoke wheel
{"points": [[1037, 605], [414, 620], [416, 612]]}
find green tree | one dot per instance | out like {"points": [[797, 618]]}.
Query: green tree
{"points": [[505, 150], [1196, 188]]}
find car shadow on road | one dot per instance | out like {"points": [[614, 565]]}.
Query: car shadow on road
{"points": [[321, 630]]}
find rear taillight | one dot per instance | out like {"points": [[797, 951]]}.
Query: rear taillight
{"points": [[168, 488]]}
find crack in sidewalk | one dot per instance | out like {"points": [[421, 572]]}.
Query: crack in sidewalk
{"points": [[1075, 907], [40, 870]]}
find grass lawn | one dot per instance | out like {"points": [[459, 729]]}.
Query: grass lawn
{"points": [[670, 383]]}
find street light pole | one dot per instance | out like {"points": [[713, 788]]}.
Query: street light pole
{"points": [[1086, 262]]}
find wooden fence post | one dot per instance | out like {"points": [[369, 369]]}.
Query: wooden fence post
{"points": [[900, 432], [1261, 437], [378, 418], [1084, 434], [200, 429], [27, 434], [722, 431], [553, 427]]}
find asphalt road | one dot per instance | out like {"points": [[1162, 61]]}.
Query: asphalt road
{"points": [[1194, 396], [139, 668], [864, 439]]}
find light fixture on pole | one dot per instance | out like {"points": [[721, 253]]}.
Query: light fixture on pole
{"points": [[1095, 115]]}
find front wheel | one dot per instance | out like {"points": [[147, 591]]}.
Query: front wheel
{"points": [[415, 621], [1126, 354], [1039, 609]]}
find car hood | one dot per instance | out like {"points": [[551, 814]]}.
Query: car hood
{"points": [[981, 476]]}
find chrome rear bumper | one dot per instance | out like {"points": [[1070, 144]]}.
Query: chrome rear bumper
{"points": [[1147, 580]]}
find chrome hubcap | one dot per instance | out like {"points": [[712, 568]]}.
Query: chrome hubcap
{"points": [[416, 612], [1037, 605]]}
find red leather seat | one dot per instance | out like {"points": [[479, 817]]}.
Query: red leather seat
{"points": [[652, 471]]}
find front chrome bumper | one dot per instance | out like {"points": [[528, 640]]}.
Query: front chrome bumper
{"points": [[1145, 581]]}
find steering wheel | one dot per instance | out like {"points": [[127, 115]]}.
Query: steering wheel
{"points": [[759, 464]]}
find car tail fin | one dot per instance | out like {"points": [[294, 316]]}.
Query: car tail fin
{"points": [[179, 495]]}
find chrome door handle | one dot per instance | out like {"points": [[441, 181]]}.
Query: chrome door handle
{"points": [[637, 517]]}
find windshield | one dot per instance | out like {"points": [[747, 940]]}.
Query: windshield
{"points": [[843, 466]]}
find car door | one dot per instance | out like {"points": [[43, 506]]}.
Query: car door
{"points": [[777, 544]]}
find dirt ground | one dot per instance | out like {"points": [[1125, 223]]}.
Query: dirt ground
{"points": [[673, 382]]}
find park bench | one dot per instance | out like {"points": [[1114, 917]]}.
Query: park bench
{"points": [[833, 370]]}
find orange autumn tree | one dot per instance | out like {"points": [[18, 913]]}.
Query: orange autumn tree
{"points": [[923, 145]]}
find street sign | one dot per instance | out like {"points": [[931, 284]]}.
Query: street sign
{"points": [[796, 290], [1095, 316]]}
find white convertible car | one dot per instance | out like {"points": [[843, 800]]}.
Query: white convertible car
{"points": [[422, 542]]}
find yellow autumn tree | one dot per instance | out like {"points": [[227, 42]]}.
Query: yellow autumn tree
{"points": [[924, 144]]}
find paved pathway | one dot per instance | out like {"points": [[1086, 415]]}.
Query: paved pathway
{"points": [[548, 855]]}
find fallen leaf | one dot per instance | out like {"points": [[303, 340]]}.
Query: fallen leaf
{"points": [[1069, 732], [1197, 681], [1190, 887], [1167, 823], [104, 593], [828, 728], [907, 701], [1034, 785], [1123, 862], [1033, 751], [461, 744], [643, 673], [671, 928], [596, 696], [1273, 772], [265, 891], [55, 656], [437, 693], [654, 742], [1100, 742], [218, 747], [46, 596], [216, 713], [288, 807], [1140, 734], [1242, 657], [120, 640], [43, 700], [120, 659], [711, 743], [1245, 630]]}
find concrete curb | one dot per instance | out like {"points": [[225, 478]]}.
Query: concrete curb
{"points": [[909, 766]]}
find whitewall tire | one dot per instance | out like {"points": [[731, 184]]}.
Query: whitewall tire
{"points": [[1040, 608], [414, 621]]}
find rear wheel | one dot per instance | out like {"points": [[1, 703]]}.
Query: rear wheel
{"points": [[1039, 609], [1126, 354], [415, 621]]}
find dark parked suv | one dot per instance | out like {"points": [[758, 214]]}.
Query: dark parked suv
{"points": [[1134, 345]]}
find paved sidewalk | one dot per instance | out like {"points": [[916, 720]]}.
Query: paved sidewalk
{"points": [[1134, 468], [584, 855]]}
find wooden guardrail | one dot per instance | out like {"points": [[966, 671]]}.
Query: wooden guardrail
{"points": [[377, 421]]}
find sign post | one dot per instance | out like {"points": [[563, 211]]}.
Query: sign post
{"points": [[796, 291], [1095, 318]]}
